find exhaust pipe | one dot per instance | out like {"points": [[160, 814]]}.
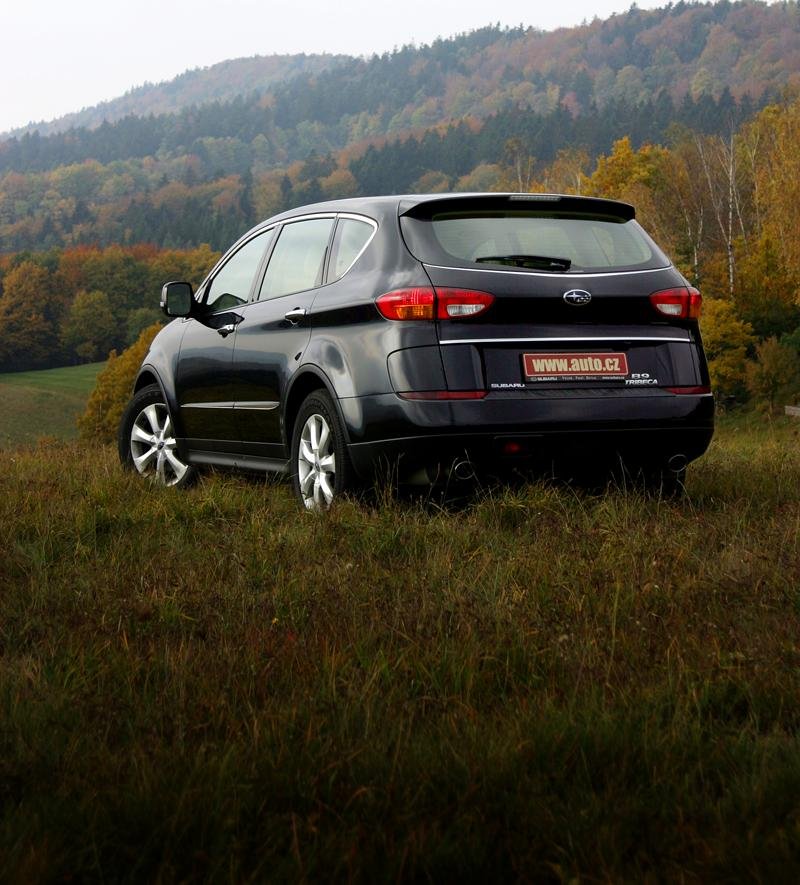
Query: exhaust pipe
{"points": [[463, 470], [677, 463]]}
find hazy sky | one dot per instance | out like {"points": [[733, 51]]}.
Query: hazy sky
{"points": [[58, 56]]}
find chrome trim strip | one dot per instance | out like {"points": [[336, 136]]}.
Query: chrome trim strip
{"points": [[257, 405], [560, 276], [525, 340], [207, 405], [261, 405]]}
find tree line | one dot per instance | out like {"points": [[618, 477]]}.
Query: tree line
{"points": [[223, 186], [69, 306], [723, 205]]}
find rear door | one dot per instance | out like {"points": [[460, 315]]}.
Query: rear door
{"points": [[275, 330]]}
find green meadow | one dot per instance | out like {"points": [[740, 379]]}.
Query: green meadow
{"points": [[544, 684], [44, 403]]}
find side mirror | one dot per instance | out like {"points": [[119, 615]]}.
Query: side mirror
{"points": [[176, 299]]}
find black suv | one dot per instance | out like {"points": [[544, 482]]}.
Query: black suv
{"points": [[436, 335]]}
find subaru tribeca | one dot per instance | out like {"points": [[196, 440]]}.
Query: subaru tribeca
{"points": [[428, 334]]}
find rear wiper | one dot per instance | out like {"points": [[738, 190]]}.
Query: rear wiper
{"points": [[538, 262]]}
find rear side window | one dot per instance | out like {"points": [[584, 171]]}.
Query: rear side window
{"points": [[298, 258], [533, 240], [349, 241]]}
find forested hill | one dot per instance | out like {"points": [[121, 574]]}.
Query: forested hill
{"points": [[460, 112], [747, 46], [220, 82]]}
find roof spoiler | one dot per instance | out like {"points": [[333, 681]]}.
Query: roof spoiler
{"points": [[428, 206]]}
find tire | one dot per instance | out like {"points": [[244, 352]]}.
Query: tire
{"points": [[321, 468], [145, 441]]}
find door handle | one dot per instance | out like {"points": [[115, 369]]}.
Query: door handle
{"points": [[226, 330], [294, 316]]}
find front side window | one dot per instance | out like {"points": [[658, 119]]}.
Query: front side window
{"points": [[298, 258], [231, 284]]}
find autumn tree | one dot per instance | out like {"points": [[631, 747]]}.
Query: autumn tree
{"points": [[519, 165], [139, 320], [567, 174], [616, 175], [770, 144], [774, 377], [28, 337], [727, 340], [766, 290], [725, 189], [89, 329], [636, 177], [113, 390], [30, 286]]}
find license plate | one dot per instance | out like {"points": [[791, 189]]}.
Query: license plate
{"points": [[574, 366]]}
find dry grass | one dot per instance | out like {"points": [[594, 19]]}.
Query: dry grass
{"points": [[545, 685]]}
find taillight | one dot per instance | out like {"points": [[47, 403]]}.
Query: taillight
{"points": [[681, 303], [407, 304], [423, 303]]}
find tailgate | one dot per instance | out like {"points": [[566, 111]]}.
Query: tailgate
{"points": [[532, 338]]}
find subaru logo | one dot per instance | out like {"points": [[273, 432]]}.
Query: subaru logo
{"points": [[577, 297]]}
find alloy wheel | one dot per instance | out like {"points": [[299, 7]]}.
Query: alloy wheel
{"points": [[153, 446], [316, 463]]}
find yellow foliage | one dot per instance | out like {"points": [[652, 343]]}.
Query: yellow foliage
{"points": [[727, 340], [113, 390], [770, 144], [618, 175]]}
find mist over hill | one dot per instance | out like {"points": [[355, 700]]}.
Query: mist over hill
{"points": [[220, 82]]}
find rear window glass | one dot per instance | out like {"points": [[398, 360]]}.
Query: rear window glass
{"points": [[531, 240]]}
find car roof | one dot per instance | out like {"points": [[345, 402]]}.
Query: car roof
{"points": [[407, 204]]}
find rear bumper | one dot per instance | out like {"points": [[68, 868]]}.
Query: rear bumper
{"points": [[504, 428]]}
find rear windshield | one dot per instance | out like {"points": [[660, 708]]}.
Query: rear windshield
{"points": [[532, 240]]}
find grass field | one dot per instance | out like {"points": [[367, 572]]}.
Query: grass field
{"points": [[43, 404], [546, 685]]}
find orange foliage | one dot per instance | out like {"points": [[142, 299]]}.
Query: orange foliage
{"points": [[113, 389]]}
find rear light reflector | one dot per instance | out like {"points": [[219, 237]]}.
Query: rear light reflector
{"points": [[442, 394], [455, 303], [407, 304], [423, 303], [681, 303], [689, 391]]}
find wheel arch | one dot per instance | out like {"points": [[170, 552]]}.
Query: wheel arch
{"points": [[305, 381], [147, 375]]}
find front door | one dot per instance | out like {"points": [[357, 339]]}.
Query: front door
{"points": [[205, 385]]}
